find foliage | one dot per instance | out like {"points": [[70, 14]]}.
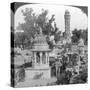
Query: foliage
{"points": [[64, 64], [22, 39], [73, 60], [66, 75], [32, 25], [81, 78], [33, 22], [64, 78], [19, 76], [77, 34], [85, 36], [57, 36]]}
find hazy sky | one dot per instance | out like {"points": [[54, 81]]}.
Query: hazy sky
{"points": [[78, 20]]}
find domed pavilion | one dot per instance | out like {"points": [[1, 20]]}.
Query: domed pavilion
{"points": [[40, 61], [40, 52]]}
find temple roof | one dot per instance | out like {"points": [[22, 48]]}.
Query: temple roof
{"points": [[40, 43], [40, 40]]}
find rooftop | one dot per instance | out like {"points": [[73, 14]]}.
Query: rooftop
{"points": [[40, 43]]}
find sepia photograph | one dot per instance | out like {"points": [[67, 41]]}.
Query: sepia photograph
{"points": [[49, 44]]}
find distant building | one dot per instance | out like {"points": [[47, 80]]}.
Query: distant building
{"points": [[67, 34], [67, 24], [66, 37]]}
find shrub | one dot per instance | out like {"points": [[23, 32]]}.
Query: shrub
{"points": [[81, 78], [64, 78]]}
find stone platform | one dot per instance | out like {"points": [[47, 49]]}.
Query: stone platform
{"points": [[37, 73], [36, 82]]}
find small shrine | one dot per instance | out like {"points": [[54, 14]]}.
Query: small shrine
{"points": [[40, 51], [40, 61]]}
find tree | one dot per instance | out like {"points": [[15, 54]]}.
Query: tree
{"points": [[73, 60], [29, 26], [76, 35], [21, 39], [33, 22], [57, 36], [85, 36], [81, 78]]}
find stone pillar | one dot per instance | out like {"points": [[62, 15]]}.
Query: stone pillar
{"points": [[79, 63], [56, 70], [40, 57], [35, 57], [46, 58], [68, 58]]}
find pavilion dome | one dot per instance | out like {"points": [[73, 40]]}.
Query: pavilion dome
{"points": [[40, 40], [40, 43]]}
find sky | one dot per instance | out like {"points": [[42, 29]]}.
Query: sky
{"points": [[78, 19]]}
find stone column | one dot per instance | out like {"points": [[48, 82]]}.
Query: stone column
{"points": [[40, 57], [56, 70], [35, 57], [46, 57], [68, 58], [79, 63]]}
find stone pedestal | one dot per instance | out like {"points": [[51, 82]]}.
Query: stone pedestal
{"points": [[38, 73]]}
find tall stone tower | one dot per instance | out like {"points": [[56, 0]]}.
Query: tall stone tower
{"points": [[67, 25]]}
